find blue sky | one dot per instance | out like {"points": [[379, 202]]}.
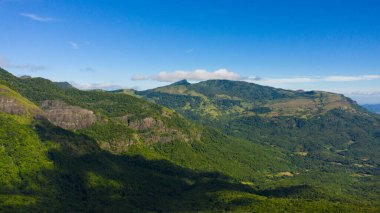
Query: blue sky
{"points": [[311, 45]]}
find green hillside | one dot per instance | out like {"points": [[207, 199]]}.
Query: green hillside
{"points": [[321, 124], [46, 168], [215, 99], [320, 131], [94, 151]]}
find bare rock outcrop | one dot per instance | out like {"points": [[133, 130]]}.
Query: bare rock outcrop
{"points": [[14, 104], [11, 106], [147, 123], [67, 116], [158, 132], [143, 124]]}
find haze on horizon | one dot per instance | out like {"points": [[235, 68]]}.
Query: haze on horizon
{"points": [[310, 45]]}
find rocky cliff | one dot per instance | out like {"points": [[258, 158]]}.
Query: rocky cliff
{"points": [[67, 116], [12, 103], [152, 130]]}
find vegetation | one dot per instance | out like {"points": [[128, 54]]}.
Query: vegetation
{"points": [[324, 134], [326, 162]]}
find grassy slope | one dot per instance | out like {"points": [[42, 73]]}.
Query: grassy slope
{"points": [[9, 94]]}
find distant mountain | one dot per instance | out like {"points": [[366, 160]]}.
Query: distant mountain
{"points": [[245, 148], [373, 107], [182, 82], [64, 85], [218, 98]]}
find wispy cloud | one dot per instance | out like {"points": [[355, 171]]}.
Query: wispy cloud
{"points": [[201, 75], [73, 45], [362, 96], [87, 69], [25, 66], [196, 75], [36, 17], [351, 78], [292, 80], [28, 67], [92, 86], [365, 92], [358, 92]]}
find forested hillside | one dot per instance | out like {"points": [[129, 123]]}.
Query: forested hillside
{"points": [[69, 150], [325, 133]]}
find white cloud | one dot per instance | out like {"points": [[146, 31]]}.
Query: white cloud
{"points": [[270, 81], [202, 75], [74, 45], [92, 86], [351, 78], [362, 96], [294, 80], [196, 75], [35, 17], [25, 67], [366, 92]]}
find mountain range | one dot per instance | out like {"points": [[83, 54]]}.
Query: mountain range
{"points": [[373, 107], [216, 145]]}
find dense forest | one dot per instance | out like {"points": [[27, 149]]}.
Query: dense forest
{"points": [[212, 146]]}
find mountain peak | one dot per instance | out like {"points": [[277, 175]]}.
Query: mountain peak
{"points": [[64, 85], [181, 82]]}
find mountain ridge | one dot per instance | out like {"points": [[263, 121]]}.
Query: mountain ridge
{"points": [[250, 111], [212, 97], [135, 151]]}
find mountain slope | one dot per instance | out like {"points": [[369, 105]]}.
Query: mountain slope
{"points": [[218, 98], [57, 170], [134, 155], [321, 131], [221, 101], [277, 117], [122, 121]]}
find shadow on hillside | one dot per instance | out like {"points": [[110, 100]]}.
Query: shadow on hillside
{"points": [[88, 179]]}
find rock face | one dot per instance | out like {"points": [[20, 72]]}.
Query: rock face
{"points": [[11, 106], [67, 116], [158, 132], [147, 123], [13, 103]]}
